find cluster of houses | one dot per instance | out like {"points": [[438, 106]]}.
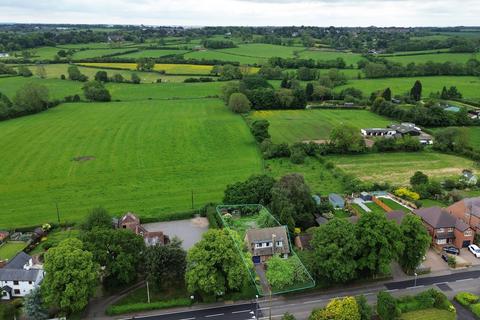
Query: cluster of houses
{"points": [[394, 131], [132, 222]]}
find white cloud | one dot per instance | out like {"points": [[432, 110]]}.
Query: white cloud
{"points": [[245, 12]]}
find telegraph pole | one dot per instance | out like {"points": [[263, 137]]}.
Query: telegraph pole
{"points": [[192, 199], [58, 213]]}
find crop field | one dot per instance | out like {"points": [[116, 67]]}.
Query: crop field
{"points": [[397, 168], [151, 53], [261, 50], [301, 125], [168, 68], [146, 157], [468, 86], [219, 55], [350, 58], [319, 179], [94, 53], [434, 57], [58, 89]]}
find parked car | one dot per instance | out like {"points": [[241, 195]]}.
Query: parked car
{"points": [[475, 250], [445, 257], [451, 250]]}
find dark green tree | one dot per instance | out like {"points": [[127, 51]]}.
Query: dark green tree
{"points": [[75, 74], [31, 98], [256, 189], [364, 308], [309, 90], [387, 308], [101, 76], [259, 130], [416, 91], [416, 241], [97, 218], [239, 103], [24, 71], [387, 94], [96, 91], [418, 178], [33, 306], [135, 78]]}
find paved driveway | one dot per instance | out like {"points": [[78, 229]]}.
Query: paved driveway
{"points": [[435, 262], [189, 231], [468, 256]]}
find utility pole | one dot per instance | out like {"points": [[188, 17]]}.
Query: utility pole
{"points": [[148, 293], [192, 199], [58, 213]]}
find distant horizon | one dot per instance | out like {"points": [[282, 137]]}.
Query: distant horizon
{"points": [[344, 13]]}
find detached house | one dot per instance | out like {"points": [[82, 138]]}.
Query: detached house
{"points": [[265, 242], [20, 276], [445, 228], [468, 210], [132, 222]]}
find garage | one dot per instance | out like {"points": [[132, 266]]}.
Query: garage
{"points": [[466, 243]]}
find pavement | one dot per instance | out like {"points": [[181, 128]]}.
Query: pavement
{"points": [[302, 304]]}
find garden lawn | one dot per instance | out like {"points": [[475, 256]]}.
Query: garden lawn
{"points": [[351, 59], [397, 168], [190, 69], [145, 156], [468, 86], [375, 207], [319, 179], [54, 237], [393, 205], [10, 249], [434, 57], [429, 314], [315, 124]]}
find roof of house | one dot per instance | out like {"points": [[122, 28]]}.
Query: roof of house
{"points": [[19, 261], [405, 127], [470, 205], [129, 217], [461, 225], [321, 220], [335, 198], [396, 215], [436, 217], [266, 235], [19, 275]]}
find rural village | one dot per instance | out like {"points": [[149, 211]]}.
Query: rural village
{"points": [[185, 173]]}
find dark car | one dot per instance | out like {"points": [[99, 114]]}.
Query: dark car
{"points": [[445, 257], [451, 250]]}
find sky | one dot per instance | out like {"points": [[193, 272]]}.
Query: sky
{"points": [[401, 13]]}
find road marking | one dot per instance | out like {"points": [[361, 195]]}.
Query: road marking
{"points": [[241, 311], [469, 279], [188, 318], [215, 315], [407, 288], [314, 301]]}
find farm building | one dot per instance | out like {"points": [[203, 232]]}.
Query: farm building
{"points": [[265, 242], [132, 222], [398, 131]]}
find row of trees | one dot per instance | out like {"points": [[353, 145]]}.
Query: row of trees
{"points": [[295, 63], [30, 98]]}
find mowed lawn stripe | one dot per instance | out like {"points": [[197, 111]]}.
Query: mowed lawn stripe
{"points": [[148, 157]]}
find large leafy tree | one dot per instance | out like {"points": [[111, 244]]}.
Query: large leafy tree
{"points": [[387, 308], [416, 91], [416, 241], [338, 309], [31, 98], [347, 139], [214, 265], [379, 242], [96, 91], [165, 265], [335, 249], [70, 276], [256, 189], [119, 251], [98, 217], [34, 307], [292, 201], [280, 273]]}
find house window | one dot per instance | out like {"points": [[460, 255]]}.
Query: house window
{"points": [[440, 230], [468, 233], [15, 283], [268, 244], [450, 229], [29, 282], [279, 244], [16, 291], [441, 241]]}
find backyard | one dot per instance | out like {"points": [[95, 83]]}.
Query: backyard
{"points": [[10, 249]]}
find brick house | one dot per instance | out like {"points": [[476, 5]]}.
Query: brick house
{"points": [[444, 228], [469, 211], [265, 242], [132, 222]]}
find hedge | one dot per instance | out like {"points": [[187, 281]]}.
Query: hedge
{"points": [[466, 299], [476, 309], [136, 307]]}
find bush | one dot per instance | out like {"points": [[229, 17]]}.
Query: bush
{"points": [[387, 306], [239, 103], [466, 299], [476, 309], [136, 307]]}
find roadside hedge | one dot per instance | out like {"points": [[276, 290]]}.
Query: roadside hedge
{"points": [[466, 299], [136, 307]]}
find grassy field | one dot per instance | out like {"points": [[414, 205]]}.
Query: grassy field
{"points": [[319, 179], [397, 168], [429, 314], [434, 57], [350, 58], [94, 53], [300, 125], [58, 89], [146, 157], [10, 249], [168, 68], [468, 86], [219, 55], [473, 135], [394, 205], [151, 53], [262, 50]]}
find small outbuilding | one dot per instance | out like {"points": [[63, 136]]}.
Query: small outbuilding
{"points": [[365, 196], [336, 201]]}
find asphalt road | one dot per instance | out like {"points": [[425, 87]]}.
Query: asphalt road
{"points": [[233, 312], [433, 280]]}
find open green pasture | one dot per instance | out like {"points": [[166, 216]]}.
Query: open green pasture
{"points": [[94, 53], [319, 179], [468, 86], [146, 157], [261, 50], [397, 168], [58, 89], [350, 58], [219, 55], [315, 124], [434, 57], [155, 53]]}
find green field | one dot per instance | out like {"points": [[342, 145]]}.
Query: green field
{"points": [[429, 314], [301, 125], [261, 50], [397, 168], [468, 86], [10, 249], [473, 135], [393, 205], [58, 89], [434, 57], [168, 68], [151, 53], [319, 179], [350, 58], [219, 55], [146, 157], [94, 53]]}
